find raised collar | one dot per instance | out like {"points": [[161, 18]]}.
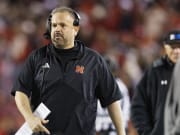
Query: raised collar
{"points": [[80, 48]]}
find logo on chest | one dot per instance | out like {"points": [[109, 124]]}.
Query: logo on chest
{"points": [[46, 65], [79, 69], [164, 82]]}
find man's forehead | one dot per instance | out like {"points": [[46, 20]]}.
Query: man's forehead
{"points": [[62, 16], [175, 45]]}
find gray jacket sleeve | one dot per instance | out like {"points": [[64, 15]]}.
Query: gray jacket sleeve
{"points": [[172, 106]]}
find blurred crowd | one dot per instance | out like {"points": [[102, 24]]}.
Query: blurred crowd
{"points": [[129, 30]]}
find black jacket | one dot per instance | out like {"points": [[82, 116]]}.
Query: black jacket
{"points": [[68, 82], [147, 110]]}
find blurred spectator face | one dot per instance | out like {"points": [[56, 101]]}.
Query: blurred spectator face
{"points": [[172, 51], [62, 30], [155, 21]]}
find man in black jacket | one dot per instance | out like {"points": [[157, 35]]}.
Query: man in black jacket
{"points": [[147, 110], [68, 78]]}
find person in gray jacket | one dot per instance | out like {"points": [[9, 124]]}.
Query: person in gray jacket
{"points": [[172, 106], [148, 102]]}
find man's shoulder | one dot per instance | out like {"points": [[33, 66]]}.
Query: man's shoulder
{"points": [[155, 66], [96, 56], [42, 49], [158, 63], [92, 52], [87, 50], [38, 53]]}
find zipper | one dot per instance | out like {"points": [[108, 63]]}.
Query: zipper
{"points": [[64, 69]]}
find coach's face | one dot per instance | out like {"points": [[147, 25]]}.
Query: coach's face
{"points": [[173, 52], [62, 30]]}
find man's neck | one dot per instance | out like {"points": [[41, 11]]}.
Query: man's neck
{"points": [[64, 46]]}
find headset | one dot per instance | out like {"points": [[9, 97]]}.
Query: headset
{"points": [[76, 22]]}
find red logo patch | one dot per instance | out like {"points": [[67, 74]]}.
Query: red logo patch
{"points": [[79, 69]]}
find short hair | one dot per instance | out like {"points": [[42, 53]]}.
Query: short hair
{"points": [[72, 12]]}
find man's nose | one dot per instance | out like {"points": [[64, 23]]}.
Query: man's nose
{"points": [[58, 28], [177, 50]]}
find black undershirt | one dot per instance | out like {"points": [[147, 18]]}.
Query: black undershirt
{"points": [[65, 54]]}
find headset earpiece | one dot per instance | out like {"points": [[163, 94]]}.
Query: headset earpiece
{"points": [[77, 18], [47, 34]]}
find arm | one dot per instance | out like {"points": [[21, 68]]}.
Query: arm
{"points": [[23, 105], [141, 115], [125, 102], [114, 110]]}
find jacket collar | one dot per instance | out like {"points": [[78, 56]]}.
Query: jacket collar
{"points": [[81, 49], [168, 61]]}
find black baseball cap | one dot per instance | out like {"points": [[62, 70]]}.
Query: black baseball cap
{"points": [[172, 38]]}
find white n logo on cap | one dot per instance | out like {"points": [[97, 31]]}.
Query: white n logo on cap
{"points": [[172, 37]]}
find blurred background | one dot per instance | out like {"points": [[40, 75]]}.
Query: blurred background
{"points": [[131, 31]]}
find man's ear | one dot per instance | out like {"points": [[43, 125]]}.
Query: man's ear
{"points": [[76, 28]]}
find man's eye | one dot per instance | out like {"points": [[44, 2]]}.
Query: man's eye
{"points": [[54, 25], [62, 25]]}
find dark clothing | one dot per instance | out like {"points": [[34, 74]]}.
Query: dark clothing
{"points": [[147, 110], [68, 82], [172, 106]]}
